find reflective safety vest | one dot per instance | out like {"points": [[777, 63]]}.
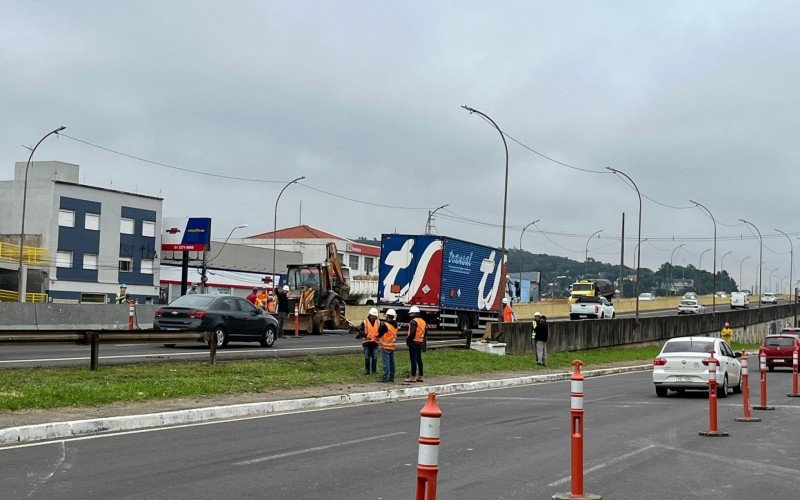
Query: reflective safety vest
{"points": [[370, 331], [419, 336], [261, 300], [508, 316], [273, 304], [389, 339]]}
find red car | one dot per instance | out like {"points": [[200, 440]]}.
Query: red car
{"points": [[779, 348]]}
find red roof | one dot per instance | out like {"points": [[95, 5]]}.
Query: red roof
{"points": [[298, 233]]}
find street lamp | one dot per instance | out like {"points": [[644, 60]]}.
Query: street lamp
{"points": [[520, 247], [505, 190], [671, 279], [791, 269], [722, 262], [204, 268], [772, 283], [699, 266], [586, 257], [760, 259], [740, 272], [430, 217], [714, 291], [22, 285], [639, 237], [275, 225]]}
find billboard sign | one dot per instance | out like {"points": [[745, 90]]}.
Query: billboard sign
{"points": [[188, 234]]}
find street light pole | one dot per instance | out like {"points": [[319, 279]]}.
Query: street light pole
{"points": [[671, 279], [275, 225], [722, 262], [760, 259], [505, 192], [740, 272], [586, 256], [791, 269], [520, 247], [22, 289], [699, 266], [714, 291], [638, 238], [772, 283], [430, 217]]}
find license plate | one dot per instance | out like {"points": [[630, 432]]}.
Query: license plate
{"points": [[683, 379], [778, 360], [584, 316], [172, 329]]}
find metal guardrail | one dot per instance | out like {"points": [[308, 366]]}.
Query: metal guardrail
{"points": [[95, 338], [30, 255], [12, 296]]}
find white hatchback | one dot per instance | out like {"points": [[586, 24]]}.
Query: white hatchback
{"points": [[691, 307], [681, 365]]}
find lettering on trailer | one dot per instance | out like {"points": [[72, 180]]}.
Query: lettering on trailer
{"points": [[419, 284]]}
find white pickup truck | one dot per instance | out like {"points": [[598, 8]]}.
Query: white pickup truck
{"points": [[592, 308]]}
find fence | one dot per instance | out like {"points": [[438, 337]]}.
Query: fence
{"points": [[30, 255], [13, 296]]}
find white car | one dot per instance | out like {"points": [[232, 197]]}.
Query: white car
{"points": [[721, 294], [647, 296], [681, 366], [691, 307], [690, 296], [769, 298], [591, 308], [739, 300]]}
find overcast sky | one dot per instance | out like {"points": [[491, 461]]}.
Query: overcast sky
{"points": [[694, 100]]}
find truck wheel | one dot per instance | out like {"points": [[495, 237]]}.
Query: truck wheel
{"points": [[572, 316], [463, 325]]}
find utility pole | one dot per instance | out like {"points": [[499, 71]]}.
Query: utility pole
{"points": [[429, 225], [622, 257]]}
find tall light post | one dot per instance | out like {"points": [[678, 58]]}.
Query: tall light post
{"points": [[21, 285], [430, 217], [520, 247], [275, 226], [699, 267], [505, 191], [760, 259], [206, 261], [740, 271], [791, 269], [671, 279], [722, 261], [586, 256], [714, 291], [638, 238]]}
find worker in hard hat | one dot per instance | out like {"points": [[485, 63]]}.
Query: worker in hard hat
{"points": [[282, 295], [262, 298], [368, 333], [727, 333], [508, 313], [415, 342], [387, 339], [122, 296]]}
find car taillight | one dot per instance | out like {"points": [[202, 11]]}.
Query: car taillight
{"points": [[159, 313], [197, 314], [596, 309], [659, 362]]}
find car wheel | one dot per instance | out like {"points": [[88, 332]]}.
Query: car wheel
{"points": [[572, 316], [602, 315], [770, 368], [268, 337], [220, 337], [661, 392], [614, 315], [463, 325], [169, 345], [722, 391], [737, 389]]}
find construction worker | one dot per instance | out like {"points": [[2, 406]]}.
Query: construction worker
{"points": [[272, 305], [192, 290], [283, 307], [508, 313], [368, 333], [415, 341], [252, 297], [262, 298], [727, 333], [122, 296], [387, 339]]}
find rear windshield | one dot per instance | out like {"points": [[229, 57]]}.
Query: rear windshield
{"points": [[582, 287], [688, 346], [779, 341], [688, 303], [584, 298], [192, 301]]}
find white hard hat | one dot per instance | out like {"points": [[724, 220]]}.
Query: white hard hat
{"points": [[391, 312], [505, 300], [285, 288], [537, 313], [373, 312], [413, 310]]}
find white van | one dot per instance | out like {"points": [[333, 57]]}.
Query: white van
{"points": [[739, 300]]}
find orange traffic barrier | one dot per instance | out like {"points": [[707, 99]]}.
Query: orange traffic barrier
{"points": [[746, 392], [576, 438], [762, 361], [794, 393], [428, 457], [712, 363], [131, 313], [296, 322]]}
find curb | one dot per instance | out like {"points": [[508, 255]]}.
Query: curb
{"points": [[77, 428]]}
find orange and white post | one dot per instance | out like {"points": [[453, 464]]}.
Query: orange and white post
{"points": [[794, 393], [762, 361], [746, 392], [296, 321], [576, 438], [131, 313], [713, 431], [428, 458]]}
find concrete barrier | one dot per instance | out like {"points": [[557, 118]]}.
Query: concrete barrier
{"points": [[72, 316]]}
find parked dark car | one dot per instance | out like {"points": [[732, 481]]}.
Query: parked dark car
{"points": [[230, 318]]}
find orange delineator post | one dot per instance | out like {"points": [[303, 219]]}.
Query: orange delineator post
{"points": [[762, 361], [131, 316], [746, 392], [795, 354], [428, 457], [576, 438], [296, 322], [713, 431]]}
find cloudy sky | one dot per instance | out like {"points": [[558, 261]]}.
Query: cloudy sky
{"points": [[693, 100]]}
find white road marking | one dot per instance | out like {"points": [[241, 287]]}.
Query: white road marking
{"points": [[606, 463], [59, 462], [746, 464], [316, 448]]}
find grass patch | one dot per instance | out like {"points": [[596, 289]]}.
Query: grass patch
{"points": [[69, 387]]}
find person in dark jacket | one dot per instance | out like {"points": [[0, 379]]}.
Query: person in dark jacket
{"points": [[540, 332], [283, 307]]}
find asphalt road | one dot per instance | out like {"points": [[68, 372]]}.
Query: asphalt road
{"points": [[498, 444]]}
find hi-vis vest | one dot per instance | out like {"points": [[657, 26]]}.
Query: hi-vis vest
{"points": [[508, 316], [419, 337], [388, 340], [370, 331]]}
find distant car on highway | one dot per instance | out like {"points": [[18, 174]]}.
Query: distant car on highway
{"points": [[230, 318], [690, 296], [739, 300], [721, 294], [691, 307], [779, 348], [682, 365], [769, 298], [591, 308], [647, 296]]}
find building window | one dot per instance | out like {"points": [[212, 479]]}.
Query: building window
{"points": [[149, 228], [341, 257], [126, 226], [147, 266], [90, 261], [94, 298], [66, 218], [125, 264], [64, 259], [353, 261], [368, 263], [92, 222]]}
